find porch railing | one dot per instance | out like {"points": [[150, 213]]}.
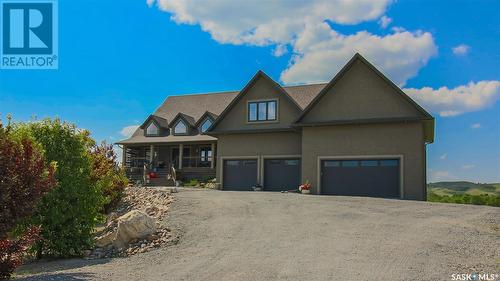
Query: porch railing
{"points": [[194, 162]]}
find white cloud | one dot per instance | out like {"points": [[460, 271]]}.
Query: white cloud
{"points": [[247, 22], [451, 102], [280, 50], [321, 52], [468, 166], [461, 50], [443, 157], [398, 29], [476, 126], [318, 50], [128, 131], [384, 21]]}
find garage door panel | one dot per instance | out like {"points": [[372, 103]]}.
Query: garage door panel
{"points": [[239, 174], [373, 177], [281, 174]]}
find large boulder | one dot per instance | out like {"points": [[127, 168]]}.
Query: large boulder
{"points": [[106, 239], [133, 225]]}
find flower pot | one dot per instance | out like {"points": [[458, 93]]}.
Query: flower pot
{"points": [[306, 191], [257, 188]]}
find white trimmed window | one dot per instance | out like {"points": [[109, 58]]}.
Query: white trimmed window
{"points": [[152, 129], [206, 124], [180, 128]]}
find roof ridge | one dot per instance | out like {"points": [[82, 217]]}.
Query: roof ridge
{"points": [[203, 94], [302, 85]]}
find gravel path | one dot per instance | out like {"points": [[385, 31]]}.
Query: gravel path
{"points": [[273, 236]]}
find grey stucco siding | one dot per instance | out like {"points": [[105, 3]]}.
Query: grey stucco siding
{"points": [[256, 146], [403, 140]]}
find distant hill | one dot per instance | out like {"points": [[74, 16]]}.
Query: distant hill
{"points": [[463, 187]]}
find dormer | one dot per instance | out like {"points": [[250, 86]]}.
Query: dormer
{"points": [[155, 126], [205, 122], [182, 125]]}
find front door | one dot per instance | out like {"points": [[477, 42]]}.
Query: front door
{"points": [[205, 156]]}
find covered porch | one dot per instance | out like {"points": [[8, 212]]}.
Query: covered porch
{"points": [[184, 160]]}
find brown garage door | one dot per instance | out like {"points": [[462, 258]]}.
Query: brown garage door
{"points": [[373, 177], [239, 174], [281, 174]]}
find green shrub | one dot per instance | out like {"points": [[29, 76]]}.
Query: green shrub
{"points": [[482, 199], [68, 213], [110, 178], [192, 182]]}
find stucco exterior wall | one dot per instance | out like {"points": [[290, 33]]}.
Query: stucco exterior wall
{"points": [[360, 94], [263, 89], [368, 140], [262, 144]]}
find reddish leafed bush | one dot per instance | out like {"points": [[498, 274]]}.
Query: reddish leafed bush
{"points": [[107, 175], [12, 251], [24, 179]]}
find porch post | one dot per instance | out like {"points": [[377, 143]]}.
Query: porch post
{"points": [[212, 162], [124, 156], [151, 151], [181, 148]]}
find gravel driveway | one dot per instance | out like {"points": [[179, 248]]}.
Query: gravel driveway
{"points": [[273, 236]]}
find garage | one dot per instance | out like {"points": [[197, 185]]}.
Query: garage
{"points": [[240, 174], [361, 177], [281, 174]]}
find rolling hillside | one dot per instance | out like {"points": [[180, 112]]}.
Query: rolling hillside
{"points": [[463, 187]]}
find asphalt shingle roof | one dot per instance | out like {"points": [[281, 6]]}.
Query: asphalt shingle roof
{"points": [[194, 106]]}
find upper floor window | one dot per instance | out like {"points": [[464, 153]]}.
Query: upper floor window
{"points": [[262, 111], [206, 124], [180, 128], [152, 129]]}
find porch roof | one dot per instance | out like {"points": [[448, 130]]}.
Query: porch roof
{"points": [[141, 139]]}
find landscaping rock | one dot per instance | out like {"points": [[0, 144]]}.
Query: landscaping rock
{"points": [[144, 210], [134, 224], [111, 218], [105, 239]]}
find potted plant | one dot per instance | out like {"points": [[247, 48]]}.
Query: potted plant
{"points": [[257, 187], [305, 188]]}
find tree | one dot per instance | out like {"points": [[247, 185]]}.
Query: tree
{"points": [[25, 177], [69, 213], [107, 175]]}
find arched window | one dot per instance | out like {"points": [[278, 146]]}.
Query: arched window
{"points": [[206, 124], [152, 129], [180, 128]]}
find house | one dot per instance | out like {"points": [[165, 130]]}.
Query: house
{"points": [[357, 135]]}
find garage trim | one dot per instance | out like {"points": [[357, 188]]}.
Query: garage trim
{"points": [[264, 157], [221, 164], [363, 157]]}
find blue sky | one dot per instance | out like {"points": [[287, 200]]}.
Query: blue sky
{"points": [[119, 61]]}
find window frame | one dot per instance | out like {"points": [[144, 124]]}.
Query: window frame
{"points": [[180, 134], [257, 106], [203, 122], [152, 122]]}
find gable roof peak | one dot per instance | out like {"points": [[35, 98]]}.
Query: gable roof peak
{"points": [[185, 118], [344, 70], [162, 122]]}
